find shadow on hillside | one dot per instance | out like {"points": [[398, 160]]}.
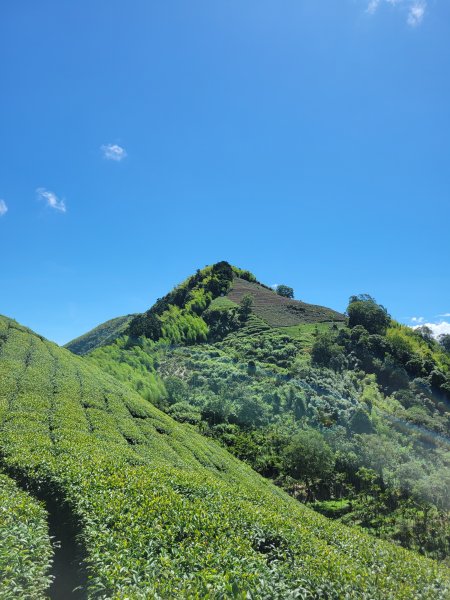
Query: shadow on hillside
{"points": [[68, 570]]}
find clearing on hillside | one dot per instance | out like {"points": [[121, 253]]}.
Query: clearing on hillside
{"points": [[278, 311]]}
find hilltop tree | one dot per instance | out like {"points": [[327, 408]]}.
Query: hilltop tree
{"points": [[364, 310], [285, 290]]}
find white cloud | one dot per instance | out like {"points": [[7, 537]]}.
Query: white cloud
{"points": [[3, 208], [416, 13], [445, 315], [437, 328], [415, 9], [51, 199], [372, 6], [113, 152], [417, 320]]}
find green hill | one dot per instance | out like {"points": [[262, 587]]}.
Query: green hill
{"points": [[367, 400], [206, 306], [184, 315], [99, 336], [157, 510]]}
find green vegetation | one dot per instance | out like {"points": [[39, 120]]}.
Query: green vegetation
{"points": [[375, 394], [237, 392], [285, 290], [100, 336], [201, 309], [178, 317], [444, 341], [222, 303], [349, 416], [162, 511], [308, 457], [363, 310], [25, 549]]}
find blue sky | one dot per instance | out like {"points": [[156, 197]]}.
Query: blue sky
{"points": [[307, 141]]}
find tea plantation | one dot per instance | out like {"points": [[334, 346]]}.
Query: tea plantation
{"points": [[278, 311], [161, 511]]}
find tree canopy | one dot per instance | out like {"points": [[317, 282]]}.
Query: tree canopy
{"points": [[364, 310], [285, 290], [309, 456]]}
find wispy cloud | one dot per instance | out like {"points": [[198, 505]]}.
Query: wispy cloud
{"points": [[372, 6], [417, 320], [444, 315], [51, 199], [415, 9], [113, 152], [3, 208], [416, 13]]}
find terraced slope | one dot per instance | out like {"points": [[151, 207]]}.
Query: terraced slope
{"points": [[278, 311], [161, 511], [105, 333]]}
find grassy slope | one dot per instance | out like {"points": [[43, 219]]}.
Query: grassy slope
{"points": [[166, 513], [99, 336], [278, 311]]}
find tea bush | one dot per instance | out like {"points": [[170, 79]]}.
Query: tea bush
{"points": [[164, 512]]}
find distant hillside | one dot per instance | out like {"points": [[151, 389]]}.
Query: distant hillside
{"points": [[278, 311], [99, 336], [151, 509]]}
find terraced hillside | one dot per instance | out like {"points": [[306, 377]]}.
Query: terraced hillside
{"points": [[160, 511], [105, 333], [278, 311]]}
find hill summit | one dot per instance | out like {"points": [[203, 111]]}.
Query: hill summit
{"points": [[205, 306]]}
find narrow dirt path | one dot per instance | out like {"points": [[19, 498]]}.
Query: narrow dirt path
{"points": [[70, 578]]}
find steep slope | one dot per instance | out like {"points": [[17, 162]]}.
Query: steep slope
{"points": [[162, 512], [105, 333]]}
